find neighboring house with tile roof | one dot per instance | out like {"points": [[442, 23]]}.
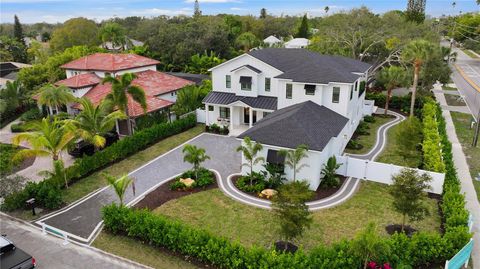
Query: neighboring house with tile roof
{"points": [[283, 98], [85, 75]]}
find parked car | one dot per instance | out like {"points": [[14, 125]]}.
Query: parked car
{"points": [[82, 147], [12, 257]]}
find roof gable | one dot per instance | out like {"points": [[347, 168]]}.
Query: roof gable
{"points": [[305, 123], [109, 62], [80, 81]]}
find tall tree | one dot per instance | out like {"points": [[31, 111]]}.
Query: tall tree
{"points": [[122, 91], [60, 172], [196, 10], [119, 185], [416, 11], [94, 122], [294, 157], [369, 245], [249, 151], [291, 211], [392, 77], [55, 96], [263, 13], [13, 95], [114, 34], [48, 138], [247, 41], [195, 156], [416, 53], [17, 30], [75, 32], [190, 98], [303, 29], [409, 193]]}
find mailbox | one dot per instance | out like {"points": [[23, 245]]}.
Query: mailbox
{"points": [[30, 203]]}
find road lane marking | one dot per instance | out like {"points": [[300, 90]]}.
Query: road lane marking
{"points": [[471, 82]]}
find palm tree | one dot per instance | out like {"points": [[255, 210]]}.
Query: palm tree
{"points": [[416, 53], [393, 76], [294, 157], [95, 121], [55, 96], [48, 138], [195, 156], [114, 33], [247, 41], [327, 8], [122, 90], [119, 185], [60, 172], [13, 94], [249, 151]]}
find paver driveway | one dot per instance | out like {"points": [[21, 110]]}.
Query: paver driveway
{"points": [[81, 219]]}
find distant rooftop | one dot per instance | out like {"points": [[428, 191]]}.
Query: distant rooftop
{"points": [[109, 62]]}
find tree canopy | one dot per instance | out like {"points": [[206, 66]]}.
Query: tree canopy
{"points": [[75, 32]]}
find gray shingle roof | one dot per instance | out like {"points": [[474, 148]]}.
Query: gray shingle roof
{"points": [[256, 70], [303, 65], [305, 123], [225, 98]]}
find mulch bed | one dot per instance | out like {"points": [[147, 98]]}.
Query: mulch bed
{"points": [[280, 246], [163, 194], [26, 163], [397, 228], [320, 193]]}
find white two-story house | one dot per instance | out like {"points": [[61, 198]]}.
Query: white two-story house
{"points": [[283, 98]]}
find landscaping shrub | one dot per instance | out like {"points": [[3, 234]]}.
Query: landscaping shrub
{"points": [[258, 183], [89, 164], [353, 144], [432, 150], [217, 129], [362, 129], [401, 103], [18, 127], [33, 114], [369, 119], [205, 178]]}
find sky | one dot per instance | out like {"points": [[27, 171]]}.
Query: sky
{"points": [[52, 11]]}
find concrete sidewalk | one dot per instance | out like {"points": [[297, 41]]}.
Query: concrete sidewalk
{"points": [[464, 175]]}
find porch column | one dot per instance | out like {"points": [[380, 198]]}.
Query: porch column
{"points": [[250, 118], [206, 114], [231, 118]]}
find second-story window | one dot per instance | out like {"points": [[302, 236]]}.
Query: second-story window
{"points": [[246, 83], [309, 89], [351, 92], [288, 92], [267, 84], [336, 95], [228, 81]]}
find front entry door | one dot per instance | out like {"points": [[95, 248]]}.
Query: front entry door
{"points": [[246, 116]]}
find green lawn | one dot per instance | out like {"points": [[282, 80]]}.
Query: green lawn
{"points": [[137, 251], [446, 88], [368, 141], [7, 151], [390, 153], [95, 181], [213, 211], [469, 53], [465, 135], [454, 100]]}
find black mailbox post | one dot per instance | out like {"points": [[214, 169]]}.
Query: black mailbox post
{"points": [[31, 203]]}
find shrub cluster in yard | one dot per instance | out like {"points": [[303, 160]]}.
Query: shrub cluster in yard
{"points": [[205, 178], [217, 129], [432, 149], [401, 103], [88, 164], [420, 250]]}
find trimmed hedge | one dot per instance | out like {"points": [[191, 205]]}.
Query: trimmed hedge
{"points": [[89, 164], [422, 249], [401, 103], [432, 149]]}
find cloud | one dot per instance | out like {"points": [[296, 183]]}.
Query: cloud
{"points": [[237, 9], [159, 11]]}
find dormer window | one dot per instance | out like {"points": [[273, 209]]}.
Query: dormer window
{"points": [[245, 83], [309, 89]]}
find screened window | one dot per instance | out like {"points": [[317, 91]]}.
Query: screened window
{"points": [[228, 81], [224, 112], [336, 95], [309, 89], [288, 94], [210, 108], [267, 84], [246, 83]]}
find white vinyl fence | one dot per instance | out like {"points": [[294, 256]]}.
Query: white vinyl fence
{"points": [[200, 115], [381, 172]]}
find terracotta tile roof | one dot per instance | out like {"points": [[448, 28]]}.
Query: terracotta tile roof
{"points": [[153, 83], [109, 62], [80, 81]]}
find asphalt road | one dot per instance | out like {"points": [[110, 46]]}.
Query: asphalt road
{"points": [[471, 69], [50, 252]]}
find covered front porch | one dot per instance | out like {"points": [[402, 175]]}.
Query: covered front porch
{"points": [[237, 117]]}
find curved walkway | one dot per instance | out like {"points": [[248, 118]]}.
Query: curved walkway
{"points": [[345, 192]]}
